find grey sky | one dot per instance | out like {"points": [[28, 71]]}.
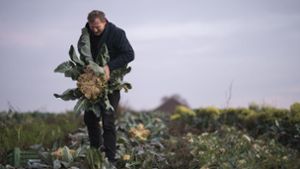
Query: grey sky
{"points": [[192, 48]]}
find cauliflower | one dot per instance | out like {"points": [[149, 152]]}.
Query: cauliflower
{"points": [[90, 85]]}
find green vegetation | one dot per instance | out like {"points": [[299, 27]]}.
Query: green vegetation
{"points": [[26, 129], [254, 137]]}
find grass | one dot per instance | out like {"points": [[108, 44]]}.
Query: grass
{"points": [[26, 129]]}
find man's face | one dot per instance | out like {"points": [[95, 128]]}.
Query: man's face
{"points": [[97, 26]]}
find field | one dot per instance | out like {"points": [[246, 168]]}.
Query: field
{"points": [[209, 137]]}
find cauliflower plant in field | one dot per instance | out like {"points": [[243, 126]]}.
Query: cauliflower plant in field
{"points": [[139, 132]]}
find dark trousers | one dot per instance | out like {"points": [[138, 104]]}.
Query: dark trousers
{"points": [[109, 129]]}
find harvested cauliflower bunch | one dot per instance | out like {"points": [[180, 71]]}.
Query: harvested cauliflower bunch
{"points": [[91, 85]]}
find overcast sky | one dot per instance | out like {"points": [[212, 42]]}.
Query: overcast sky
{"points": [[192, 48]]}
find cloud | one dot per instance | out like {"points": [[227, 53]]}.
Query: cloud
{"points": [[195, 29], [36, 37], [21, 39], [214, 29]]}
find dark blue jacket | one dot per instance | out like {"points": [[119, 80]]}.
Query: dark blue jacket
{"points": [[120, 50]]}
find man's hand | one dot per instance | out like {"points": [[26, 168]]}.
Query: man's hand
{"points": [[107, 72]]}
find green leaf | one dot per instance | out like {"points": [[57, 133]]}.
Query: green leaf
{"points": [[108, 108], [126, 86], [98, 70], [127, 69], [96, 108], [66, 154], [80, 105], [56, 164], [69, 94], [73, 73], [103, 56], [118, 74], [69, 69], [84, 46], [74, 57], [63, 67]]}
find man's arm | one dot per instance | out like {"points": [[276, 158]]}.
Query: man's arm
{"points": [[125, 50]]}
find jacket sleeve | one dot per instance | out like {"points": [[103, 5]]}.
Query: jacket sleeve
{"points": [[125, 50], [84, 46]]}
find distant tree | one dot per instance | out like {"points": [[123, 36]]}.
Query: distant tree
{"points": [[169, 103]]}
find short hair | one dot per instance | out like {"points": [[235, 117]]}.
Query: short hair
{"points": [[96, 14]]}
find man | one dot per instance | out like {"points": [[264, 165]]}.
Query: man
{"points": [[100, 31]]}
